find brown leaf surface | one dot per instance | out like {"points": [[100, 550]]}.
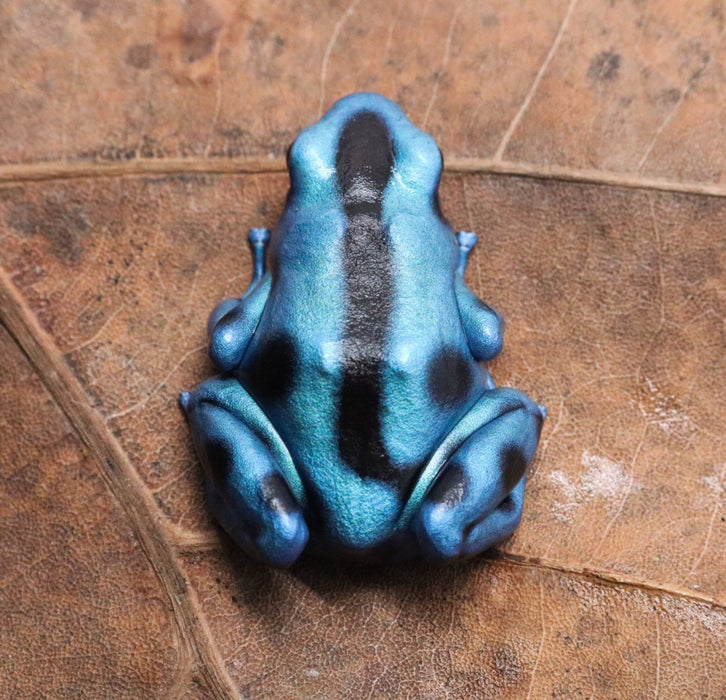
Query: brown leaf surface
{"points": [[134, 147], [81, 607], [119, 80], [489, 629]]}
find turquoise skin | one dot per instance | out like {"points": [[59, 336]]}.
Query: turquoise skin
{"points": [[351, 417]]}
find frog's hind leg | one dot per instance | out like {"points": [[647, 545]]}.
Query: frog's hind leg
{"points": [[476, 500], [251, 484]]}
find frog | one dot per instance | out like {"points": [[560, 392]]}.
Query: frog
{"points": [[353, 416]]}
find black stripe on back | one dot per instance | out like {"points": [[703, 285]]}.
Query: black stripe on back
{"points": [[364, 162]]}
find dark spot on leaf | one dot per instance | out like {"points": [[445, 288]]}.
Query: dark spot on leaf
{"points": [[85, 7], [669, 96], [234, 133], [200, 31], [139, 56], [150, 147], [60, 223], [604, 66], [110, 152], [163, 506], [697, 267], [507, 664], [12, 194], [25, 218]]}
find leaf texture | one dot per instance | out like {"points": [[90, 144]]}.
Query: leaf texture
{"points": [[139, 142]]}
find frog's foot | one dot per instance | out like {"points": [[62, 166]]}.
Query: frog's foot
{"points": [[476, 501], [251, 484]]}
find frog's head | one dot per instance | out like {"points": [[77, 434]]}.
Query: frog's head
{"points": [[365, 145]]}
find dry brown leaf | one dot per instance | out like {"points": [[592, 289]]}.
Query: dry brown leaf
{"points": [[138, 142]]}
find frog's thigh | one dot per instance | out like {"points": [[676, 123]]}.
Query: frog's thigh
{"points": [[477, 499], [246, 487]]}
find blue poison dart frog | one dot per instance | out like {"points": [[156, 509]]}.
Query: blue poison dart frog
{"points": [[351, 416]]}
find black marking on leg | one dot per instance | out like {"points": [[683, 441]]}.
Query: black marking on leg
{"points": [[452, 487], [219, 461], [277, 495], [513, 465], [506, 505], [449, 377], [271, 374], [364, 163]]}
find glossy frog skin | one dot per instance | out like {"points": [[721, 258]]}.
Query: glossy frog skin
{"points": [[351, 416]]}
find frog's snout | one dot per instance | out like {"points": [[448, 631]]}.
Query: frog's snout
{"points": [[542, 410]]}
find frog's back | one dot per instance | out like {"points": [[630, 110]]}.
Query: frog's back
{"points": [[360, 358]]}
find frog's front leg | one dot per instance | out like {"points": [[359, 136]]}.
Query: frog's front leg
{"points": [[476, 499], [231, 327], [252, 485], [483, 325]]}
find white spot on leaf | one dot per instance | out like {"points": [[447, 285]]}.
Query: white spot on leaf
{"points": [[603, 479]]}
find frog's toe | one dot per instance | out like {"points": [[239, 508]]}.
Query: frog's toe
{"points": [[477, 499], [184, 399]]}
